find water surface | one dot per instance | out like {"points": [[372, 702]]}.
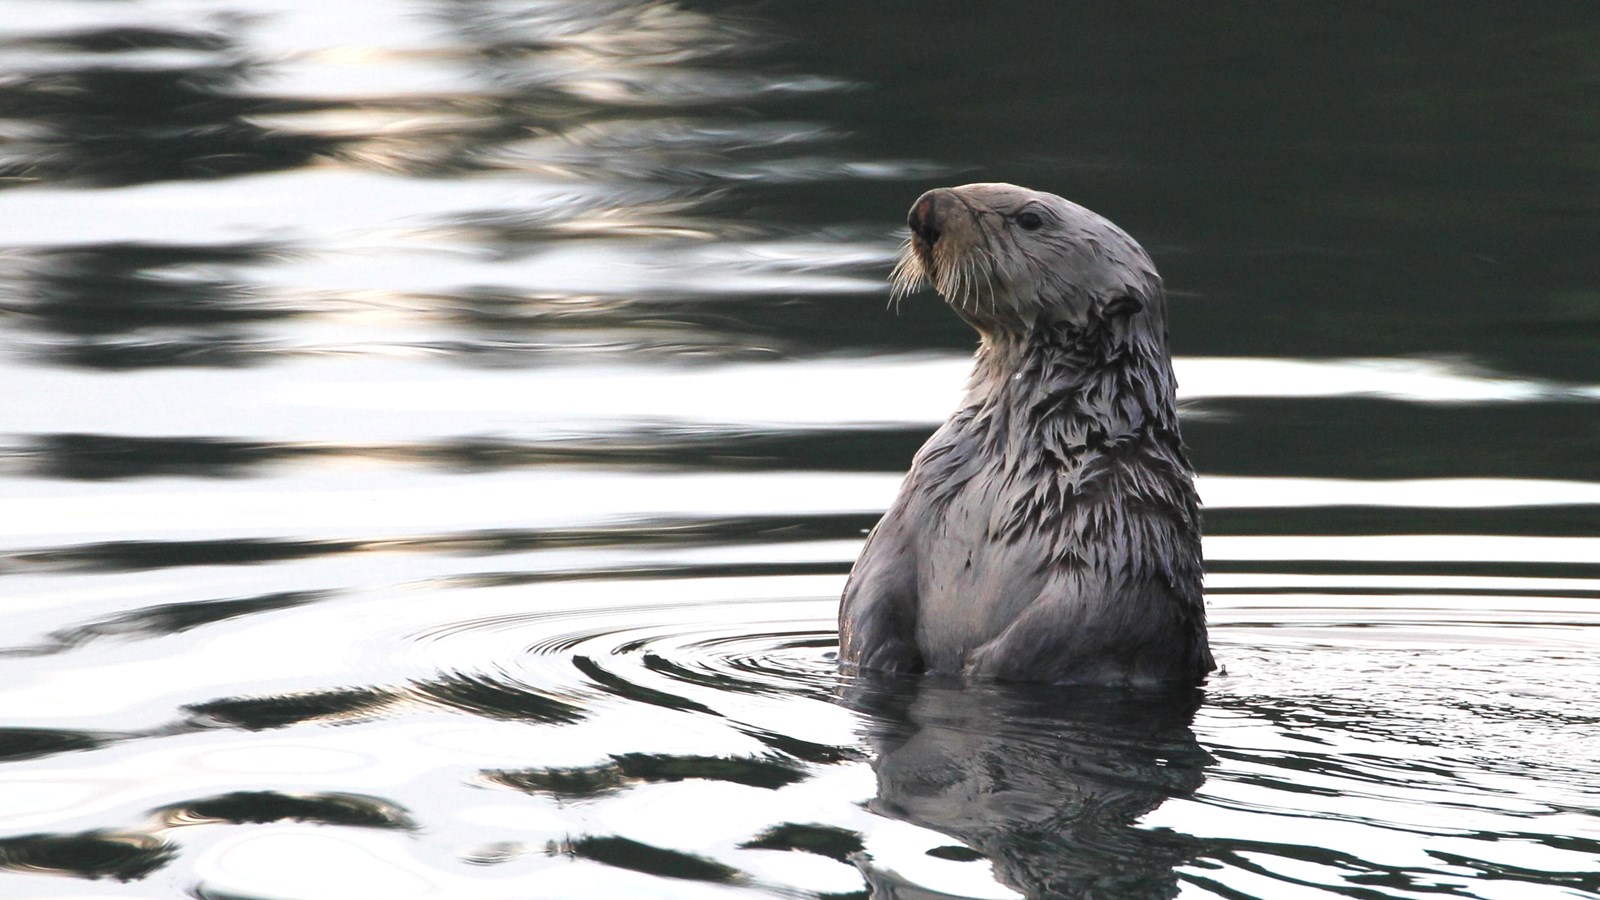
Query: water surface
{"points": [[436, 434]]}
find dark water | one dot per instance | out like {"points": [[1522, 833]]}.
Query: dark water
{"points": [[435, 435]]}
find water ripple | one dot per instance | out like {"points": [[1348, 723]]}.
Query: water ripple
{"points": [[688, 656]]}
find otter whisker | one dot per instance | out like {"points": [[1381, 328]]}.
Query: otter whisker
{"points": [[990, 276], [970, 281], [908, 274], [979, 278], [947, 274], [977, 274], [958, 279]]}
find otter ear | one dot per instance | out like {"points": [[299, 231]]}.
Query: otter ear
{"points": [[1124, 305]]}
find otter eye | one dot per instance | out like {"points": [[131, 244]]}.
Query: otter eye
{"points": [[1030, 221]]}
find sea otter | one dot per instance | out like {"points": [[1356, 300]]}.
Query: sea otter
{"points": [[1050, 530]]}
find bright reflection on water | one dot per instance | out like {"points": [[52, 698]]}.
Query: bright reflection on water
{"points": [[436, 433]]}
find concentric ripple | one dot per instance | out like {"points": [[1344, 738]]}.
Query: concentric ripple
{"points": [[734, 639]]}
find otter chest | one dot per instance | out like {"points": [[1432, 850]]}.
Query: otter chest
{"points": [[985, 558]]}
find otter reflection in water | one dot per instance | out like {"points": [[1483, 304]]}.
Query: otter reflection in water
{"points": [[1047, 783], [1050, 530]]}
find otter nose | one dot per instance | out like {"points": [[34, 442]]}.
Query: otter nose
{"points": [[923, 217]]}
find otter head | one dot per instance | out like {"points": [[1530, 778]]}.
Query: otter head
{"points": [[1010, 260]]}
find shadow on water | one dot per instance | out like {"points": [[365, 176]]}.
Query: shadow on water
{"points": [[31, 743], [118, 124], [686, 532], [134, 854], [107, 457], [256, 807], [625, 770], [164, 619], [1047, 783], [130, 305], [90, 854]]}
